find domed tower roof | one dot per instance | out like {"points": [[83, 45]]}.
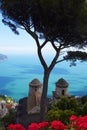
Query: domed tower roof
{"points": [[35, 82], [62, 83]]}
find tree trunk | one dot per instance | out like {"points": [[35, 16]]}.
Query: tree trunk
{"points": [[43, 105]]}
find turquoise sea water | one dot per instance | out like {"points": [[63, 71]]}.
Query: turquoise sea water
{"points": [[17, 71]]}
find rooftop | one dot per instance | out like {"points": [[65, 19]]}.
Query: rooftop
{"points": [[62, 83], [35, 82]]}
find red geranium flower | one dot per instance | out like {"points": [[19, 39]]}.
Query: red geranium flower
{"points": [[11, 126], [33, 126], [43, 124], [80, 123], [19, 127], [58, 125], [83, 125], [81, 120], [15, 127], [73, 118]]}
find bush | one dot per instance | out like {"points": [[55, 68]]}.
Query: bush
{"points": [[67, 103], [53, 115], [84, 110], [73, 104], [59, 115], [84, 99], [64, 116], [62, 103], [9, 118], [2, 127]]}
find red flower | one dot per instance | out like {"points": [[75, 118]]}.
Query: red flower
{"points": [[83, 125], [80, 123], [33, 126], [15, 127], [19, 127], [11, 126], [43, 125], [58, 125], [73, 118], [81, 120]]}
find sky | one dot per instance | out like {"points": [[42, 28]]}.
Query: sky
{"points": [[23, 43], [11, 43]]}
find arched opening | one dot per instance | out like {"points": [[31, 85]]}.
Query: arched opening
{"points": [[2, 106], [62, 92]]}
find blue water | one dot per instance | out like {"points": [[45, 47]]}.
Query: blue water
{"points": [[17, 71]]}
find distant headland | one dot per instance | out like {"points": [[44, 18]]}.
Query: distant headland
{"points": [[3, 57]]}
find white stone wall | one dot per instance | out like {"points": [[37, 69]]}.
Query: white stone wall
{"points": [[3, 109], [59, 91]]}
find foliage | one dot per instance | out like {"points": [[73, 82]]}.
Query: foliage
{"points": [[8, 100], [2, 127], [62, 115], [84, 99], [65, 107], [63, 103], [73, 104], [67, 103], [9, 118], [53, 115], [56, 19], [74, 55], [84, 110]]}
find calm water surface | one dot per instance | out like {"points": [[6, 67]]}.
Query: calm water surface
{"points": [[17, 71]]}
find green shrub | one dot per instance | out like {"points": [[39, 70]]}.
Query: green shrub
{"points": [[52, 115], [84, 110], [84, 99], [62, 103], [9, 118], [73, 104], [62, 115], [2, 127]]}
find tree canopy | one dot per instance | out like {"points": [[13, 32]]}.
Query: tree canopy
{"points": [[59, 20], [63, 22]]}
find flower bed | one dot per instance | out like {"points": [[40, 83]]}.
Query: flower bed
{"points": [[76, 123]]}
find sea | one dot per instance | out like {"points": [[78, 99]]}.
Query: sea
{"points": [[17, 71]]}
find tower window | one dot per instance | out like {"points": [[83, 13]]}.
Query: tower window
{"points": [[2, 106], [62, 92]]}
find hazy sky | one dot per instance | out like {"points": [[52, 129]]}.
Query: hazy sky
{"points": [[23, 43], [11, 43]]}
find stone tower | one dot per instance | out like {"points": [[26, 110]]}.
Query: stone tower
{"points": [[61, 88], [34, 96]]}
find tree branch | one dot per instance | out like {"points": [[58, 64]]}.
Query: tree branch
{"points": [[40, 55], [56, 49], [44, 43], [33, 34], [60, 61], [56, 56]]}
